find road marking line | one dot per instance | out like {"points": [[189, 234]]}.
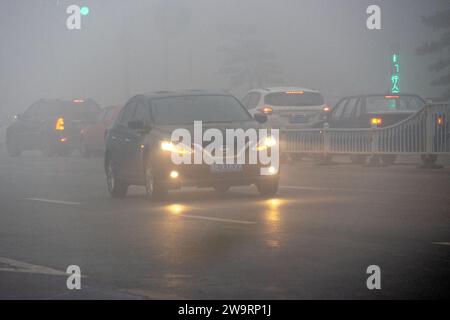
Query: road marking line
{"points": [[306, 188], [442, 243], [54, 201], [360, 190], [217, 219], [23, 267]]}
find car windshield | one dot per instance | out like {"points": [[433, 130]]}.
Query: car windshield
{"points": [[80, 111], [69, 109], [206, 108], [393, 103], [294, 99]]}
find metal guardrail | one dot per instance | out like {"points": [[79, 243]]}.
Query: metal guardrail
{"points": [[425, 132]]}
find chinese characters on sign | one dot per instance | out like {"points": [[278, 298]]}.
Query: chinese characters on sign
{"points": [[395, 74]]}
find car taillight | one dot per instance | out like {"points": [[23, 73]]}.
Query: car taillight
{"points": [[266, 110], [295, 92], [59, 124], [376, 122]]}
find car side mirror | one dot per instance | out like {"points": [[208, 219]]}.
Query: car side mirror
{"points": [[260, 117]]}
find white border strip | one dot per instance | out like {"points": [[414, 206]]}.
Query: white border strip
{"points": [[218, 219], [54, 201]]}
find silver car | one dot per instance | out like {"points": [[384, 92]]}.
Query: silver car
{"points": [[286, 107]]}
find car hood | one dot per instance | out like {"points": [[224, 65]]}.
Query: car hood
{"points": [[165, 131]]}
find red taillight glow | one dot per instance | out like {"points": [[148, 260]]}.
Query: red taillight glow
{"points": [[295, 92], [59, 124], [78, 101], [392, 97], [266, 110]]}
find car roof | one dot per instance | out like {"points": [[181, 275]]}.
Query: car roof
{"points": [[282, 89], [63, 102]]}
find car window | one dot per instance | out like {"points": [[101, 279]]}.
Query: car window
{"points": [[42, 109], [393, 103], [206, 108], [294, 99], [141, 112], [338, 109], [127, 113], [358, 110], [33, 110], [102, 115], [254, 98], [246, 100], [68, 109], [76, 110], [350, 108], [110, 115], [416, 103]]}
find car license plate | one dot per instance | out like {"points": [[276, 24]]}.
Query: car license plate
{"points": [[297, 118], [223, 168]]}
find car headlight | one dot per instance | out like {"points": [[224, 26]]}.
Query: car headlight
{"points": [[266, 143], [175, 147]]}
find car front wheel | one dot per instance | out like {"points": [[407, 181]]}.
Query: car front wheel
{"points": [[155, 190], [116, 187], [268, 188]]}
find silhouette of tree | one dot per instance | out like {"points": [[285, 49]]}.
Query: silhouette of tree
{"points": [[246, 60], [439, 21]]}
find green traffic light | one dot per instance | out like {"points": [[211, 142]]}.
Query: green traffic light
{"points": [[84, 11]]}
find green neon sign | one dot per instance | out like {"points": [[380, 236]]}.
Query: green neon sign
{"points": [[395, 74]]}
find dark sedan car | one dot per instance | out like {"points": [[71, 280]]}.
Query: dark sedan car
{"points": [[367, 111], [50, 125], [140, 145]]}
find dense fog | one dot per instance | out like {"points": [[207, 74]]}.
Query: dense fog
{"points": [[129, 47]]}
